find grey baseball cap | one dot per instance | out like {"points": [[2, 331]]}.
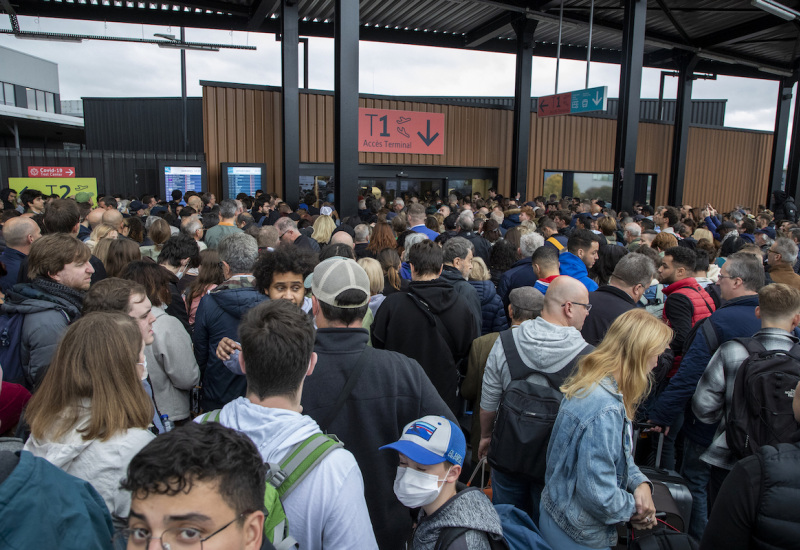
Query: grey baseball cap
{"points": [[526, 297], [333, 276]]}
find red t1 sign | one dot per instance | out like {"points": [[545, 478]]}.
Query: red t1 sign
{"points": [[388, 131], [51, 171]]}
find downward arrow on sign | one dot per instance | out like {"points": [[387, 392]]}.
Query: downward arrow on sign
{"points": [[597, 98], [428, 139]]}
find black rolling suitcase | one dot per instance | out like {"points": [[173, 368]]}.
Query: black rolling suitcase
{"points": [[670, 493]]}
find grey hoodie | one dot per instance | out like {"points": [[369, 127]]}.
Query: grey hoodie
{"points": [[469, 508], [327, 509], [542, 346]]}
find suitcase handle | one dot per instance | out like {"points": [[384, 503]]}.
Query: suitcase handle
{"points": [[638, 428]]}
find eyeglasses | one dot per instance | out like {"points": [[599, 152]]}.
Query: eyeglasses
{"points": [[773, 251], [282, 234], [587, 306], [727, 277], [175, 538]]}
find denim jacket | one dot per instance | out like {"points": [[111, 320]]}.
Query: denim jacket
{"points": [[590, 475]]}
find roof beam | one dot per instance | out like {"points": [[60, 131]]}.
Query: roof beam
{"points": [[261, 10], [490, 29], [738, 32], [674, 21]]}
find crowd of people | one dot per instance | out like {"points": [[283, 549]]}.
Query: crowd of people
{"points": [[246, 374]]}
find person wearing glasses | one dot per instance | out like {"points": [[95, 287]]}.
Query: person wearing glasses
{"points": [[592, 483], [626, 286], [781, 256], [548, 344], [200, 487], [740, 279]]}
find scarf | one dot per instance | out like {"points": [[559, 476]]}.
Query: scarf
{"points": [[70, 295]]}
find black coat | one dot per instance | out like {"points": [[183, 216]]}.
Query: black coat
{"points": [[407, 323], [608, 303], [392, 392]]}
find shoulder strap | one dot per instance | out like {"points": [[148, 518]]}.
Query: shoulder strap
{"points": [[517, 368], [448, 536], [212, 416], [302, 458], [710, 333], [440, 326], [751, 345], [355, 374], [556, 379], [701, 291]]}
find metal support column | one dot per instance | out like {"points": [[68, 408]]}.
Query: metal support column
{"points": [[184, 108], [793, 166], [779, 137], [290, 102], [680, 134], [346, 31], [630, 86], [520, 150]]}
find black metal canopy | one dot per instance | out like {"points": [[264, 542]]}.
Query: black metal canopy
{"points": [[730, 37]]}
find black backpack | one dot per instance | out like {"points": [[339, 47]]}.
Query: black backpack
{"points": [[761, 406], [526, 416]]}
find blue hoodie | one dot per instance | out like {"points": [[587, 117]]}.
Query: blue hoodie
{"points": [[574, 267]]}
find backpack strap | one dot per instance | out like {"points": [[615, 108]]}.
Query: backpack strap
{"points": [[448, 536], [702, 292], [556, 379], [517, 368], [212, 416], [710, 333], [302, 458], [355, 374], [751, 345]]}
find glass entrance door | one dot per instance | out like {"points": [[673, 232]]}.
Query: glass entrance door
{"points": [[402, 187]]}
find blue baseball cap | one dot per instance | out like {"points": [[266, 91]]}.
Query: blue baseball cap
{"points": [[432, 440]]}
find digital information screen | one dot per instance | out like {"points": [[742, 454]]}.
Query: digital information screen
{"points": [[183, 178], [244, 179]]}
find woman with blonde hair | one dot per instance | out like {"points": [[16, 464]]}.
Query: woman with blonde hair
{"points": [[592, 483], [102, 231], [324, 226], [91, 414], [375, 274]]}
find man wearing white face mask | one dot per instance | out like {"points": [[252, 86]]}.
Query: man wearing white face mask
{"points": [[432, 451]]}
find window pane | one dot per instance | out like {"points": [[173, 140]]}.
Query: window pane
{"points": [[10, 96], [2, 96], [50, 102], [31, 93], [40, 104]]}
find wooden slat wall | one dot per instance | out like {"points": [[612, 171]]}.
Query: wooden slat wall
{"points": [[724, 167]]}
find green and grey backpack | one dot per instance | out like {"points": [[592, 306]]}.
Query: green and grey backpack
{"points": [[283, 478]]}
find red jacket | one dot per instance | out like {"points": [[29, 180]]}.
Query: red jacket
{"points": [[681, 314]]}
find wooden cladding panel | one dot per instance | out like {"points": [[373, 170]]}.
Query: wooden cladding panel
{"points": [[727, 167], [724, 167]]}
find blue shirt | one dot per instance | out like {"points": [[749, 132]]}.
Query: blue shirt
{"points": [[425, 231]]}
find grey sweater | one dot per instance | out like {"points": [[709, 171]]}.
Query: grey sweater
{"points": [[469, 508], [172, 366]]}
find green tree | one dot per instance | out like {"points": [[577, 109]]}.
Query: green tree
{"points": [[603, 192]]}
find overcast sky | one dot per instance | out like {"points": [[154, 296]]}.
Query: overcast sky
{"points": [[108, 69]]}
